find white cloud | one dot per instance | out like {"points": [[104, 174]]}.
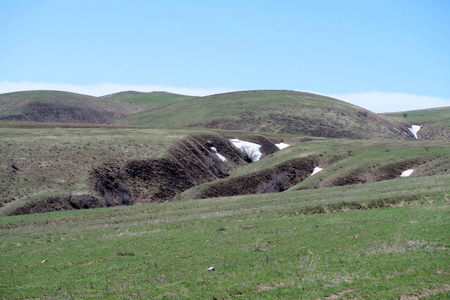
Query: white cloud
{"points": [[380, 102], [104, 88]]}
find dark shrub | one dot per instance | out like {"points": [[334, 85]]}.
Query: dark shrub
{"points": [[276, 184], [216, 166]]}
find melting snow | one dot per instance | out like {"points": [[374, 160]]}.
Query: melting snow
{"points": [[316, 170], [407, 173], [250, 148], [281, 146], [415, 129], [222, 158]]}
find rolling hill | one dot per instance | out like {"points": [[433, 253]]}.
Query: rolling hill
{"points": [[284, 112], [151, 99], [64, 107], [185, 213], [435, 122]]}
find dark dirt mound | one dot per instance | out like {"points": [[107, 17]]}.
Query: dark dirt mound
{"points": [[60, 203], [374, 174], [271, 180], [189, 163]]}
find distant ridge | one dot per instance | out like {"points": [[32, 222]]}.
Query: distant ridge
{"points": [[66, 107], [275, 111]]}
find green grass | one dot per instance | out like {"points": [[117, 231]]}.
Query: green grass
{"points": [[420, 117], [151, 98], [259, 245]]}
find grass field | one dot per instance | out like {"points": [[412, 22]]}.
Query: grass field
{"points": [[262, 247], [355, 230]]}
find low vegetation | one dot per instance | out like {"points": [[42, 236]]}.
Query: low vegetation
{"points": [[261, 246], [435, 122], [120, 211]]}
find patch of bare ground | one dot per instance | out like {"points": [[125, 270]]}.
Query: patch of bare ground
{"points": [[428, 293], [275, 179], [338, 295], [265, 287], [189, 163], [374, 173]]}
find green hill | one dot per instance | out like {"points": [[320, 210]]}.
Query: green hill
{"points": [[64, 107], [148, 99], [284, 112], [435, 122]]}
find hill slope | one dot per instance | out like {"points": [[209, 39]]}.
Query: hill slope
{"points": [[435, 122], [147, 99], [64, 107], [283, 112]]}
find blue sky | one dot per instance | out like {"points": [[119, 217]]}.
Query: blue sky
{"points": [[382, 55]]}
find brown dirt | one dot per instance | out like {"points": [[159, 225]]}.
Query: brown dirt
{"points": [[374, 174], [294, 171], [189, 163], [428, 293], [59, 203], [338, 295]]}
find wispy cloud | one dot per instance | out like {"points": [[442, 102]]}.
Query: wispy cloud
{"points": [[380, 102], [105, 88]]}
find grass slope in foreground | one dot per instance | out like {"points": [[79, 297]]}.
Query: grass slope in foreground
{"points": [[261, 246], [283, 112]]}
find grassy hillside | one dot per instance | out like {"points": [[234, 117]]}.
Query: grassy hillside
{"points": [[48, 169], [277, 246], [43, 168], [423, 116], [283, 112], [148, 99], [344, 162], [62, 107], [38, 162], [436, 122]]}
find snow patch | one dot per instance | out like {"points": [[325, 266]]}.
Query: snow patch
{"points": [[415, 129], [407, 173], [316, 170], [250, 148], [281, 146], [220, 156]]}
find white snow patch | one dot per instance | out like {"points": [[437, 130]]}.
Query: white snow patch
{"points": [[220, 156], [281, 146], [316, 170], [407, 173], [415, 129], [250, 148]]}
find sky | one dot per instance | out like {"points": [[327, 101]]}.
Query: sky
{"points": [[385, 56]]}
